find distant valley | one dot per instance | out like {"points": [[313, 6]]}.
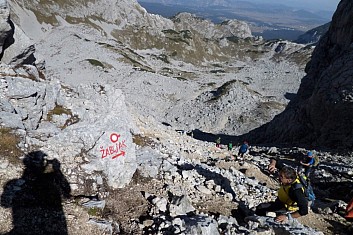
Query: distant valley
{"points": [[266, 20]]}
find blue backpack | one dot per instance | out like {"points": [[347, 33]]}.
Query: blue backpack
{"points": [[308, 189], [244, 148]]}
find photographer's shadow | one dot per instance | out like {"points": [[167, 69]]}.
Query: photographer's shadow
{"points": [[36, 197]]}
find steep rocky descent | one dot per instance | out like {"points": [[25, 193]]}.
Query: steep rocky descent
{"points": [[322, 112], [191, 187], [221, 50]]}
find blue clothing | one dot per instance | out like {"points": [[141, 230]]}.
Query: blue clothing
{"points": [[308, 169], [309, 160], [243, 148], [312, 161]]}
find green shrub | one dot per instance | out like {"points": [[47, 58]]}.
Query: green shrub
{"points": [[94, 211], [96, 63], [222, 90], [181, 78], [60, 110], [141, 140], [218, 71]]}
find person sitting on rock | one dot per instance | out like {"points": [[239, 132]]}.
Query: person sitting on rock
{"points": [[290, 199], [307, 164]]}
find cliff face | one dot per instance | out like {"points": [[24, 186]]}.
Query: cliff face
{"points": [[321, 114], [5, 27]]}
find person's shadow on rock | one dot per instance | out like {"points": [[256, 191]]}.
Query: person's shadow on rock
{"points": [[35, 198]]}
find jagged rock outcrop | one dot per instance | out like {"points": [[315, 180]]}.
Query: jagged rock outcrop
{"points": [[17, 48], [322, 112], [63, 122], [128, 22], [5, 27], [208, 30], [113, 16], [67, 125]]}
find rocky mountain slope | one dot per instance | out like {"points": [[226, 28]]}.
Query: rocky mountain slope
{"points": [[320, 115], [96, 101], [313, 36], [271, 20]]}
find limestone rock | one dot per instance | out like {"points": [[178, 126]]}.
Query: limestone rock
{"points": [[6, 30]]}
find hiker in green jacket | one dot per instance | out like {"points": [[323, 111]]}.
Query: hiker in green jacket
{"points": [[230, 146]]}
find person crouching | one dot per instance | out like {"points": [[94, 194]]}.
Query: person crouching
{"points": [[290, 199]]}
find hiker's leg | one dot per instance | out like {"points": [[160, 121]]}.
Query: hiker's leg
{"points": [[307, 171], [267, 207], [262, 209], [300, 168], [241, 158]]}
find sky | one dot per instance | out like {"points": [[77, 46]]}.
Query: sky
{"points": [[327, 5]]}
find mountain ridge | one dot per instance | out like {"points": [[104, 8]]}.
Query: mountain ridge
{"points": [[266, 21]]}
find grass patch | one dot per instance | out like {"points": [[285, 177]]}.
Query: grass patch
{"points": [[95, 63], [270, 105], [181, 78], [60, 110], [181, 36], [222, 90], [9, 145], [94, 211], [142, 140], [137, 65], [217, 65], [170, 31], [218, 71], [234, 39], [163, 58], [167, 70], [180, 40]]}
